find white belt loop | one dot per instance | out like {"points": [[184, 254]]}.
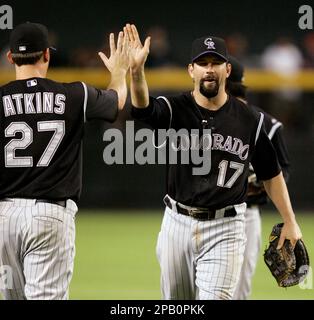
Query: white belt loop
{"points": [[173, 203], [220, 213], [240, 208], [71, 206]]}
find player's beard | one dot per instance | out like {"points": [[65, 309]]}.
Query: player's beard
{"points": [[209, 92]]}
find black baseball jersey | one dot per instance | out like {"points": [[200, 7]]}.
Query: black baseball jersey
{"points": [[274, 130], [42, 125], [238, 138]]}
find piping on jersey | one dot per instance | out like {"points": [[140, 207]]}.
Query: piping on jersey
{"points": [[261, 119], [85, 99], [274, 129], [170, 110]]}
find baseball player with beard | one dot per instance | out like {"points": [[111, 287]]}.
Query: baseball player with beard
{"points": [[201, 243], [42, 124], [256, 194]]}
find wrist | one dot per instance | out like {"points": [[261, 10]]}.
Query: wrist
{"points": [[138, 72], [118, 73], [290, 220]]}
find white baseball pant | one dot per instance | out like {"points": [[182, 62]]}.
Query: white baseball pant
{"points": [[36, 249], [253, 232], [200, 259]]}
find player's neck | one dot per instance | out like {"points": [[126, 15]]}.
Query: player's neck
{"points": [[30, 71], [214, 103]]}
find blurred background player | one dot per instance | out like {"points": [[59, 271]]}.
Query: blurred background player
{"points": [[256, 194]]}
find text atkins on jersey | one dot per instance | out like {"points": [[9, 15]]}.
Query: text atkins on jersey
{"points": [[30, 103]]}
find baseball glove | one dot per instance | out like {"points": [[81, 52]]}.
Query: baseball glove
{"points": [[289, 267]]}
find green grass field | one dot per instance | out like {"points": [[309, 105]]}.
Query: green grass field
{"points": [[115, 257]]}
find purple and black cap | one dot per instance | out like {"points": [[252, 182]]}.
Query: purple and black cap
{"points": [[209, 45]]}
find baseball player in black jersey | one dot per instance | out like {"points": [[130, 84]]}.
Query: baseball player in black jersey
{"points": [[256, 194], [42, 124], [201, 243]]}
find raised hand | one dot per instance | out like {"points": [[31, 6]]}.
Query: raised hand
{"points": [[138, 53], [119, 60], [118, 64]]}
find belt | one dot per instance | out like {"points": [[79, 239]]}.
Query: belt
{"points": [[61, 203], [199, 213]]}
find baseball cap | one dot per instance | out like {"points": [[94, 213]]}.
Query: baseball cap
{"points": [[237, 70], [29, 37], [209, 45]]}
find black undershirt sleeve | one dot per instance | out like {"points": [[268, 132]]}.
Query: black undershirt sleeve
{"points": [[264, 160], [101, 104], [156, 114]]}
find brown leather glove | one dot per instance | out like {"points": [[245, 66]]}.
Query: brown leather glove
{"points": [[289, 267]]}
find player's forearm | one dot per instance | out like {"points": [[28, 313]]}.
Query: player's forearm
{"points": [[118, 83], [277, 191], [139, 89]]}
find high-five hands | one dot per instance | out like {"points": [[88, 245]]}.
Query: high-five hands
{"points": [[119, 60], [138, 53]]}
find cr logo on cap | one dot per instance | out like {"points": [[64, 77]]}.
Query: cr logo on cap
{"points": [[210, 43]]}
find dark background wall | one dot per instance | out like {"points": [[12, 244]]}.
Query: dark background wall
{"points": [[85, 23]]}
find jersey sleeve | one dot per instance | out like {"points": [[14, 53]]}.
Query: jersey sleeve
{"points": [[100, 104], [280, 146], [264, 160], [157, 114]]}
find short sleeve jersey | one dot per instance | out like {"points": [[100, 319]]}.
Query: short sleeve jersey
{"points": [[42, 125], [238, 138]]}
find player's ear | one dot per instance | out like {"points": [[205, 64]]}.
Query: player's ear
{"points": [[47, 55], [190, 70], [228, 68], [9, 57]]}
